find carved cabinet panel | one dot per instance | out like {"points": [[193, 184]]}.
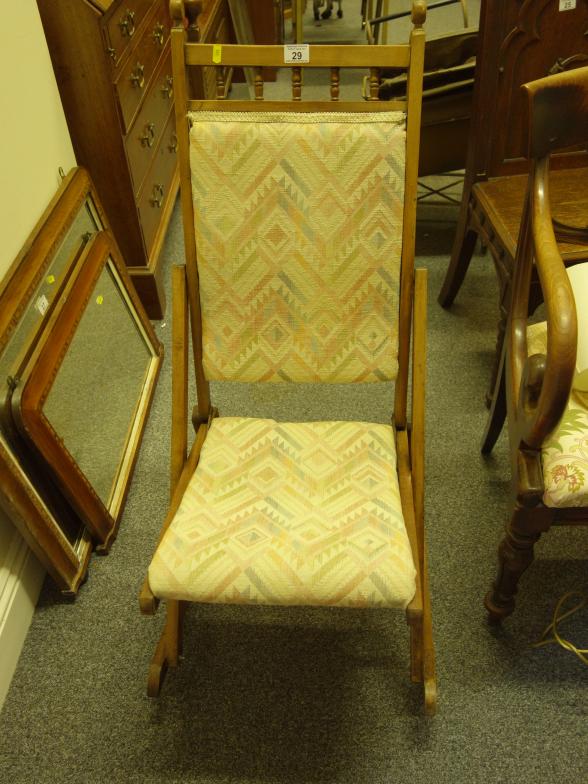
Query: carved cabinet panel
{"points": [[523, 40]]}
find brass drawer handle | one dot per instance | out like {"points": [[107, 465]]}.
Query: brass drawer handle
{"points": [[156, 199], [167, 87], [159, 33], [148, 137], [173, 142], [138, 76], [127, 24]]}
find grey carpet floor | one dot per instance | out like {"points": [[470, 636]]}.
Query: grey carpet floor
{"points": [[298, 695]]}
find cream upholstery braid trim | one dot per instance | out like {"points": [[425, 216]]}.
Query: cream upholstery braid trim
{"points": [[300, 118], [298, 221], [290, 514]]}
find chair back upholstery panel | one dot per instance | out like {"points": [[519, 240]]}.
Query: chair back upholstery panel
{"points": [[298, 223]]}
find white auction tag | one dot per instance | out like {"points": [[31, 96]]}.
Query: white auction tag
{"points": [[567, 5], [296, 53], [42, 304]]}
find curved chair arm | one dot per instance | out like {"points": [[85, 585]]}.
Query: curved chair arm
{"points": [[541, 385]]}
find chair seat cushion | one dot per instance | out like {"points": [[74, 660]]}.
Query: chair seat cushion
{"points": [[564, 456], [290, 514]]}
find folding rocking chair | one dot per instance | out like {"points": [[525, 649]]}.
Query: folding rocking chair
{"points": [[304, 513]]}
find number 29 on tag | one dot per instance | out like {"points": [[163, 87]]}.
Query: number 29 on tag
{"points": [[296, 53]]}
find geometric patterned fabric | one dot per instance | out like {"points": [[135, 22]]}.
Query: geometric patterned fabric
{"points": [[564, 455], [298, 220], [290, 514]]}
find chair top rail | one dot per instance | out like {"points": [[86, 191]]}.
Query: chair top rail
{"points": [[228, 104], [320, 56]]}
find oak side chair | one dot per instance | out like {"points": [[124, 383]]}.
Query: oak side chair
{"points": [[518, 43], [546, 404], [299, 227]]}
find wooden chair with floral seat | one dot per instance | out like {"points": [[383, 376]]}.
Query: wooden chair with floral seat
{"points": [[299, 226], [545, 364]]}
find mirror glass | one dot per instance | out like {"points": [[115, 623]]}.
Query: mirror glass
{"points": [[108, 352], [70, 248]]}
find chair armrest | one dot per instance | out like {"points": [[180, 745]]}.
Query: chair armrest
{"points": [[417, 433], [180, 342], [542, 383]]}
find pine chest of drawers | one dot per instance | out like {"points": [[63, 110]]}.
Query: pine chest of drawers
{"points": [[113, 69]]}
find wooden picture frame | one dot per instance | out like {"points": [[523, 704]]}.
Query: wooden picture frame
{"points": [[32, 293], [66, 561], [97, 338], [28, 293]]}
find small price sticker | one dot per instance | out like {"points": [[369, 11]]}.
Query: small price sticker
{"points": [[42, 304], [567, 5], [296, 53], [217, 53]]}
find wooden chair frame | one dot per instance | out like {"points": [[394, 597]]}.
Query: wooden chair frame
{"points": [[518, 42], [536, 388], [409, 438]]}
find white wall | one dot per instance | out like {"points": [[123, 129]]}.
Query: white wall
{"points": [[34, 143]]}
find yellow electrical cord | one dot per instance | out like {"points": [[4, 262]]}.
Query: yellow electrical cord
{"points": [[557, 619]]}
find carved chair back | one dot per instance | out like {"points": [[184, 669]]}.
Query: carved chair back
{"points": [[519, 41]]}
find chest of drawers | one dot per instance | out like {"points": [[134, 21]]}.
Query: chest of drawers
{"points": [[113, 69]]}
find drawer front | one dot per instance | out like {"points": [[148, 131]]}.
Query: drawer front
{"points": [[134, 79], [144, 136], [155, 189], [219, 35], [123, 25]]}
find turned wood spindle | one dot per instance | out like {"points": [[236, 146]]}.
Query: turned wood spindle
{"points": [[193, 10], [259, 84], [374, 83], [296, 84], [334, 84], [220, 82]]}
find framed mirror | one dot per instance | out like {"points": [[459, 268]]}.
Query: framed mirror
{"points": [[50, 507], [28, 293], [64, 557], [83, 394]]}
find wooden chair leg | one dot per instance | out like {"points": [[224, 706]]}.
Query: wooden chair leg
{"points": [[429, 674], [463, 249], [497, 413], [169, 648], [416, 650], [422, 651], [515, 555]]}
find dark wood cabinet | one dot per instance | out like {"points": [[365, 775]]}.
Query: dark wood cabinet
{"points": [[113, 69]]}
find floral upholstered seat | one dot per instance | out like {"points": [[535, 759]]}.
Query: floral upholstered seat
{"points": [[565, 454], [290, 514]]}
